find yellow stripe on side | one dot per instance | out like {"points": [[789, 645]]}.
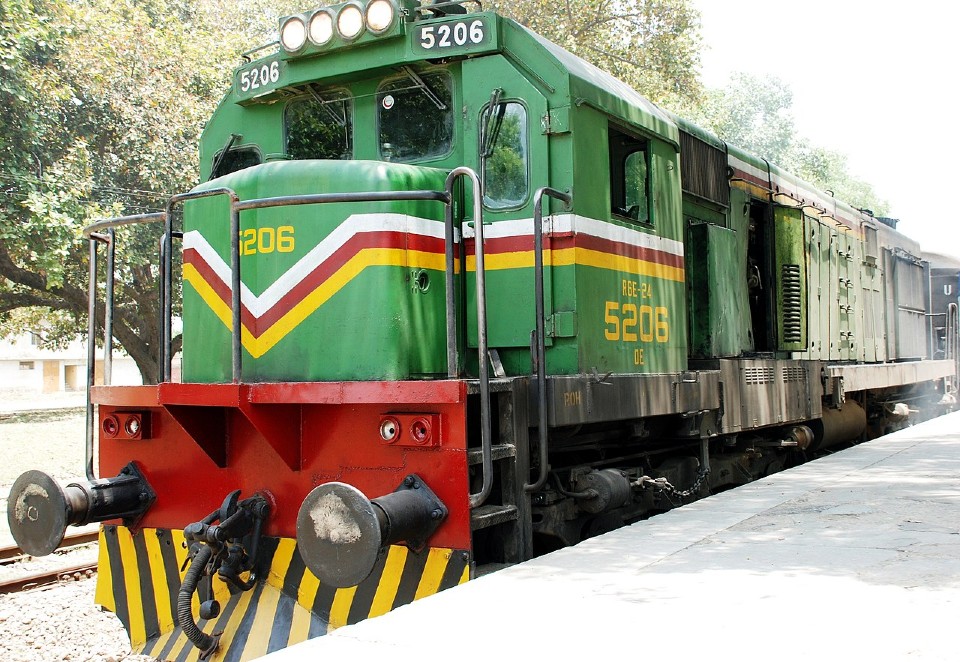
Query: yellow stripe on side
{"points": [[131, 581], [582, 256], [389, 581], [104, 591], [432, 572]]}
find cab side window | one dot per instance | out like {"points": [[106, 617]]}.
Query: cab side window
{"points": [[629, 176], [234, 160], [320, 127], [506, 174], [412, 124]]}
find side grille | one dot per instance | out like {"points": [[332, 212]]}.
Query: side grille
{"points": [[758, 375], [794, 374], [703, 169], [792, 309]]}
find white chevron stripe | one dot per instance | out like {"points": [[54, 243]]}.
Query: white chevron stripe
{"points": [[361, 223], [355, 224], [561, 223]]}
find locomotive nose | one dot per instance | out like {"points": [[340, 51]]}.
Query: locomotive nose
{"points": [[39, 510], [341, 533]]}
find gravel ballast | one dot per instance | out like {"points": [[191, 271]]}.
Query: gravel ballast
{"points": [[60, 621]]}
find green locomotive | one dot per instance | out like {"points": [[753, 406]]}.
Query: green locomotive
{"points": [[453, 297]]}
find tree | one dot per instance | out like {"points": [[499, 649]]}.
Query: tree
{"points": [[101, 107], [755, 114], [652, 45]]}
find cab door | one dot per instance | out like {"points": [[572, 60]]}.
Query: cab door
{"points": [[518, 167]]}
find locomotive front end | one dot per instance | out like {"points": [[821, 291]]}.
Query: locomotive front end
{"points": [[329, 483]]}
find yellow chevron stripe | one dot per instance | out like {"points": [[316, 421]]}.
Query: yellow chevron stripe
{"points": [[233, 623], [389, 581], [432, 572], [158, 576], [131, 581], [368, 257], [582, 256], [341, 607], [300, 625], [104, 591], [262, 627], [265, 619]]}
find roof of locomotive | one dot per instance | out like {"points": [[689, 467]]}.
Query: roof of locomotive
{"points": [[591, 85]]}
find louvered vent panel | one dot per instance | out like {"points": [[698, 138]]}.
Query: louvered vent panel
{"points": [[792, 303], [703, 169], [794, 374], [758, 375]]}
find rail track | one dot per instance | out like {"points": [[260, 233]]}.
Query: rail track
{"points": [[13, 554]]}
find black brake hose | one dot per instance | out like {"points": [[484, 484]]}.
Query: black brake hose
{"points": [[204, 642]]}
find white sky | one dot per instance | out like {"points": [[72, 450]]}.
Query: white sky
{"points": [[877, 81]]}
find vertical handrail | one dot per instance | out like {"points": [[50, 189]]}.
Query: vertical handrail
{"points": [[108, 308], [91, 348], [952, 348], [167, 273], [94, 236], [486, 443], [541, 342]]}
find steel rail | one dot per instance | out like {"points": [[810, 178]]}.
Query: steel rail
{"points": [[12, 553], [46, 577]]}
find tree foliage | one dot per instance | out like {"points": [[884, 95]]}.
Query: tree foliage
{"points": [[652, 45], [101, 107], [755, 113]]}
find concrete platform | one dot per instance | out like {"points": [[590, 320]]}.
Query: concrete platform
{"points": [[853, 557]]}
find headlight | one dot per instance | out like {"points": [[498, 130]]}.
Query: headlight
{"points": [[321, 28], [350, 22], [380, 15], [293, 34]]}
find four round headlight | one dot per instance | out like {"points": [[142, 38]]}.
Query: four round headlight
{"points": [[350, 22], [293, 34], [321, 28], [352, 19], [380, 15]]}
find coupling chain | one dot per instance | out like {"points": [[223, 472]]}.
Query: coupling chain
{"points": [[663, 485]]}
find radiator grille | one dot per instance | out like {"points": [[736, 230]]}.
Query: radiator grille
{"points": [[792, 310]]}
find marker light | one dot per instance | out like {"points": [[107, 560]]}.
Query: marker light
{"points": [[350, 22], [293, 34], [321, 28], [380, 15]]}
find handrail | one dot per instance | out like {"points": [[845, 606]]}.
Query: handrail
{"points": [[566, 198], [486, 443], [94, 233], [166, 293], [952, 342], [236, 207]]}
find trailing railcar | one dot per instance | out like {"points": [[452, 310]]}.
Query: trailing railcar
{"points": [[452, 297]]}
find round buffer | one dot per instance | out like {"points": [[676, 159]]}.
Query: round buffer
{"points": [[339, 534], [37, 512]]}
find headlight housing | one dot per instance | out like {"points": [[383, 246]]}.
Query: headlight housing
{"points": [[293, 34], [320, 28], [380, 16], [350, 22]]}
